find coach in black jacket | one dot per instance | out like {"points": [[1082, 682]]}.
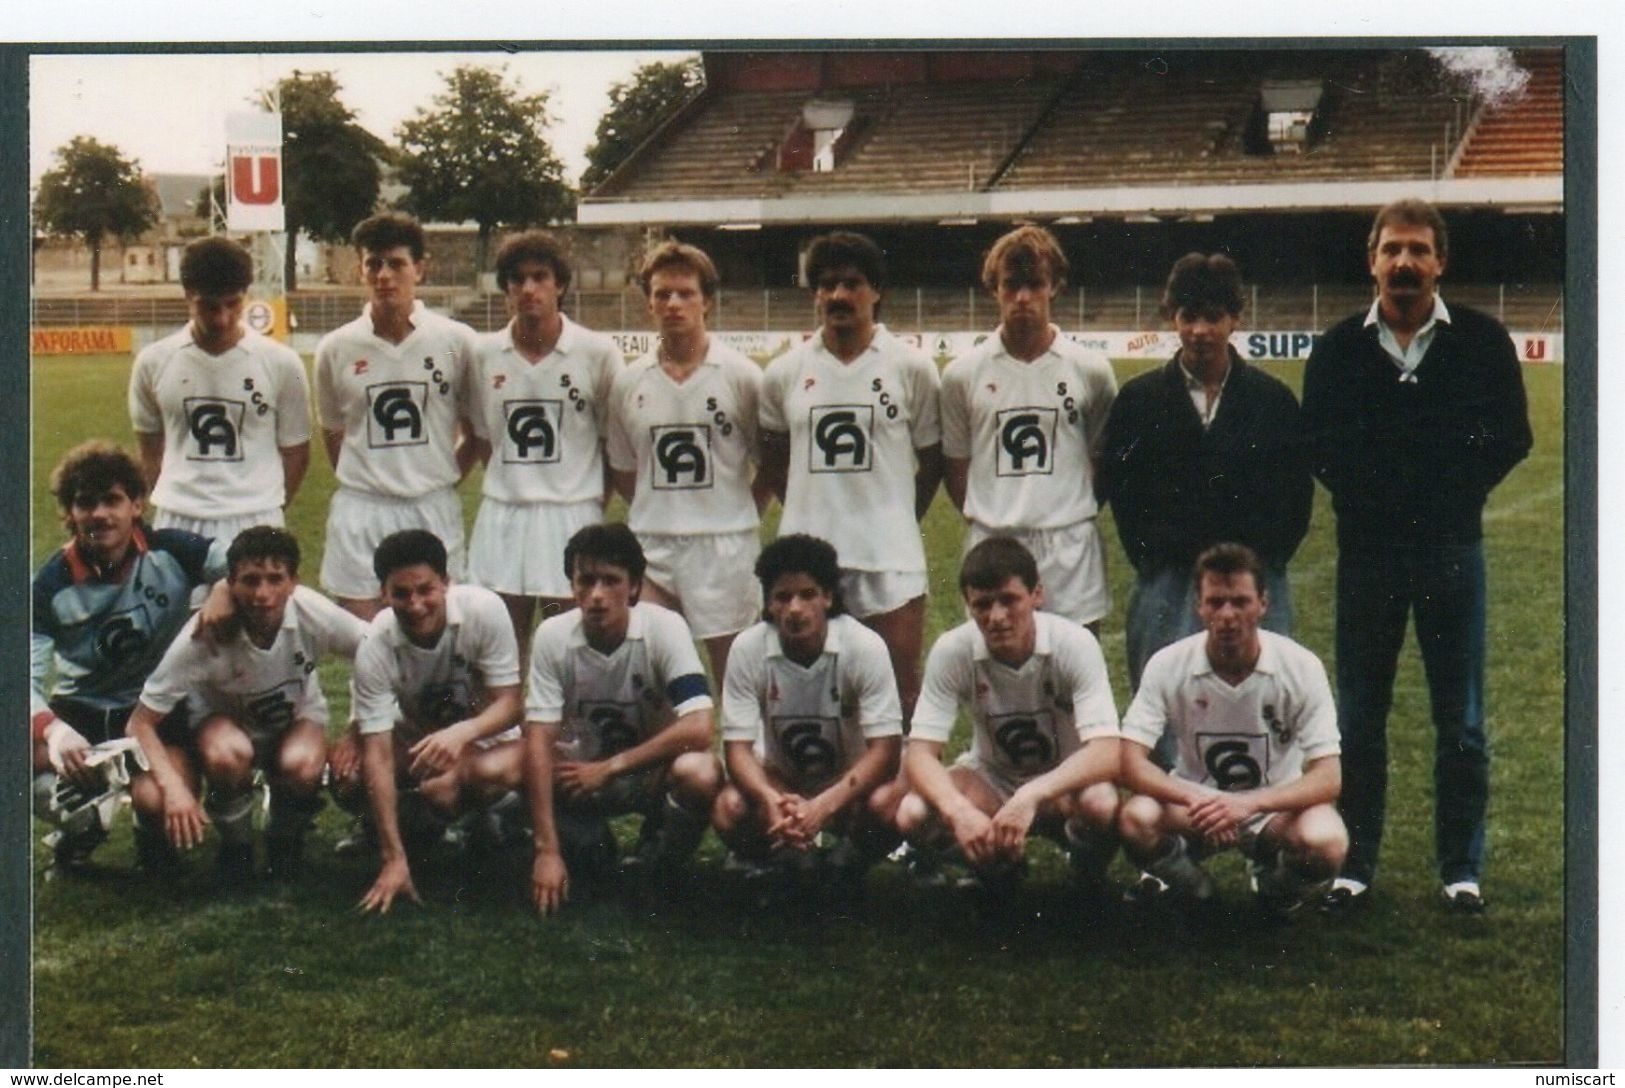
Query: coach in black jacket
{"points": [[1203, 450], [1416, 411]]}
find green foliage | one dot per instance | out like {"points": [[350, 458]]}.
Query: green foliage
{"points": [[330, 164], [94, 192], [636, 108], [129, 973], [481, 154]]}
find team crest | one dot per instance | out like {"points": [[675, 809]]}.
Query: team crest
{"points": [[215, 427], [397, 414], [1025, 442], [841, 438], [532, 428]]}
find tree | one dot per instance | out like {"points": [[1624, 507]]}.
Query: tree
{"points": [[636, 108], [330, 164], [481, 153], [94, 193]]}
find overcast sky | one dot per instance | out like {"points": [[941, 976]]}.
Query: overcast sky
{"points": [[169, 110]]}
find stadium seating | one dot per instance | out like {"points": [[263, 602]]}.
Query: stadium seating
{"points": [[1525, 135]]}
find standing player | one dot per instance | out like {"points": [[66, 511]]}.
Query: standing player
{"points": [[1416, 411], [1022, 419], [1044, 746], [1203, 450], [221, 413], [105, 607], [682, 444], [540, 392], [436, 703], [851, 445], [391, 392], [1255, 734], [617, 716], [259, 706], [811, 725]]}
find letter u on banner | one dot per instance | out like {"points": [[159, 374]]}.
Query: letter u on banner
{"points": [[256, 179]]}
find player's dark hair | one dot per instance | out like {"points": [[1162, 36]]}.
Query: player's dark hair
{"points": [[1412, 213], [533, 245], [994, 562], [386, 230], [262, 542], [1023, 252], [672, 254], [90, 470], [216, 266], [1201, 282], [408, 548], [1226, 561], [846, 249], [613, 543], [799, 553]]}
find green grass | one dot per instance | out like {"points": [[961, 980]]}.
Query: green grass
{"points": [[131, 974]]}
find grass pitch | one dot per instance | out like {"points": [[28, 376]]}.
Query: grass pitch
{"points": [[131, 974]]}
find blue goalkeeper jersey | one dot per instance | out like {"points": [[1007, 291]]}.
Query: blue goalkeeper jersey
{"points": [[103, 636]]}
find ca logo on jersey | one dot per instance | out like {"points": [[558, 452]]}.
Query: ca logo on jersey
{"points": [[440, 705], [811, 745], [396, 418], [612, 725], [1025, 442], [533, 431], [123, 635], [1024, 742], [271, 711], [1235, 761], [216, 427], [842, 438], [682, 457]]}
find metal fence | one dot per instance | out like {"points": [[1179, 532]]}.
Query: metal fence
{"points": [[1527, 307]]}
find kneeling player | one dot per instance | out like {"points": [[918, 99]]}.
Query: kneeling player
{"points": [[436, 703], [1044, 747], [1257, 763], [811, 723], [617, 717], [258, 705]]}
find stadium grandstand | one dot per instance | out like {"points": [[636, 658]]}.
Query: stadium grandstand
{"points": [[1131, 156]]}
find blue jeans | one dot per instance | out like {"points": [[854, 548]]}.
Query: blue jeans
{"points": [[1162, 610], [1378, 589]]}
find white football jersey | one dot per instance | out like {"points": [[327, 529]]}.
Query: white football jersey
{"points": [[809, 724], [853, 431], [224, 419], [264, 691], [402, 686], [1024, 721], [1257, 733], [544, 420], [397, 404], [692, 445], [611, 702], [1029, 431]]}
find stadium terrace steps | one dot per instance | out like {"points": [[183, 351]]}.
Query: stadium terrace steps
{"points": [[1525, 136]]}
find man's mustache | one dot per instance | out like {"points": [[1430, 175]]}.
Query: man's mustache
{"points": [[1404, 278]]}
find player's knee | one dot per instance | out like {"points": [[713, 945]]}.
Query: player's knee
{"points": [[729, 810], [1098, 807], [443, 793], [913, 817], [1139, 822], [145, 796], [301, 769], [696, 776], [1322, 841]]}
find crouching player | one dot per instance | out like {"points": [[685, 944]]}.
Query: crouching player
{"points": [[437, 706], [105, 607], [811, 723], [617, 720], [1044, 746], [257, 705], [1257, 764]]}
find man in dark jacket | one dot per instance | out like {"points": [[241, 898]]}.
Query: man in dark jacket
{"points": [[1203, 450], [1415, 412]]}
